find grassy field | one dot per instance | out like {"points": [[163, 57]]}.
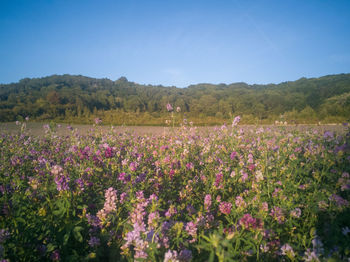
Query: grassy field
{"points": [[37, 128]]}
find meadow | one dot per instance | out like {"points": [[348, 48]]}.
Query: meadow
{"points": [[229, 193]]}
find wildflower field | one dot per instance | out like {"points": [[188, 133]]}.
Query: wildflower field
{"points": [[259, 194]]}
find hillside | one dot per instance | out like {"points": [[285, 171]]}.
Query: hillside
{"points": [[80, 99]]}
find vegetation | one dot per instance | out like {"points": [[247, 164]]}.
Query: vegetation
{"points": [[264, 194], [79, 99]]}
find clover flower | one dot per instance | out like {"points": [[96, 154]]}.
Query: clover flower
{"points": [[310, 256], [4, 234], [153, 219], [341, 202], [236, 121], [171, 256], [207, 202], [233, 155], [62, 182], [240, 203], [94, 242], [171, 211], [248, 222], [225, 207], [296, 212], [218, 181], [109, 205], [185, 255], [191, 229], [287, 250], [169, 107], [277, 214], [55, 256]]}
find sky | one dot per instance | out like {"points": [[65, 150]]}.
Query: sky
{"points": [[175, 42]]}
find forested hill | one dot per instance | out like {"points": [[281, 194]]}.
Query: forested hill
{"points": [[80, 99]]}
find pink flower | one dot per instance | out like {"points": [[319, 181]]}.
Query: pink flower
{"points": [[191, 229], [236, 121], [296, 212], [110, 203], [98, 121], [207, 202], [265, 206], [169, 107], [277, 214], [233, 155], [218, 180], [247, 221], [225, 207], [240, 202]]}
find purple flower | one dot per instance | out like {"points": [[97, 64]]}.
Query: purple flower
{"points": [[341, 202], [94, 221], [225, 207], [236, 121], [185, 255], [62, 182], [4, 234], [94, 242], [80, 184], [124, 177], [328, 135], [55, 256]]}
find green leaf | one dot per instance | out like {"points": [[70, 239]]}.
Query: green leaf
{"points": [[66, 238], [50, 247], [77, 235]]}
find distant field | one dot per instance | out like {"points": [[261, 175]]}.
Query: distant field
{"points": [[37, 129]]}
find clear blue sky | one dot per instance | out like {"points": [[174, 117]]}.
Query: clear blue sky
{"points": [[175, 42]]}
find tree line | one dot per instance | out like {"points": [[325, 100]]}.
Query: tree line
{"points": [[80, 99]]}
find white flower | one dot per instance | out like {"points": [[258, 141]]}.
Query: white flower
{"points": [[345, 230]]}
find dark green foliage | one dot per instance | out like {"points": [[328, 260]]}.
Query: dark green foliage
{"points": [[80, 99]]}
